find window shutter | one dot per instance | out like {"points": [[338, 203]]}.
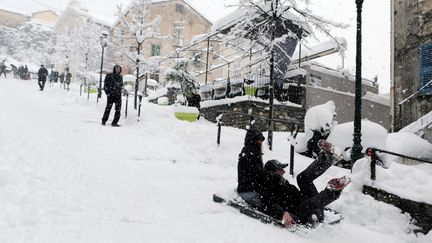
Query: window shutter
{"points": [[425, 75]]}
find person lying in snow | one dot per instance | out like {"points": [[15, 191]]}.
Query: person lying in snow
{"points": [[250, 168], [286, 202]]}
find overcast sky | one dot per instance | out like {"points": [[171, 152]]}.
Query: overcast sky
{"points": [[376, 27]]}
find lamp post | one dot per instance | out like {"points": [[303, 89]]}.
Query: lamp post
{"points": [[357, 147], [103, 42]]}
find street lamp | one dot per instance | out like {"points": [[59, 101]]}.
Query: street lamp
{"points": [[357, 147], [103, 42]]}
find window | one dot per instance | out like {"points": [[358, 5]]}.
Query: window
{"points": [[425, 75], [180, 8], [155, 50], [178, 34]]}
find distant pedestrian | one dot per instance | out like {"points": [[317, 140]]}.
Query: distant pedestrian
{"points": [[3, 68], [62, 77], [68, 79], [26, 73], [42, 76], [113, 87]]}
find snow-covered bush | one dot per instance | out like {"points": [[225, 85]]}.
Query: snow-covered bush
{"points": [[180, 73]]}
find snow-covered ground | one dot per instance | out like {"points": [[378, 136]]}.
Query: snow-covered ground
{"points": [[65, 178]]}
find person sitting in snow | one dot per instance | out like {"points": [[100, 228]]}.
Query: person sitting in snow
{"points": [[113, 87], [250, 168], [286, 202]]}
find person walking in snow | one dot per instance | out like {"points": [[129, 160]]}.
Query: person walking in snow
{"points": [[62, 76], [68, 79], [250, 169], [113, 87], [3, 68], [42, 76], [286, 202]]}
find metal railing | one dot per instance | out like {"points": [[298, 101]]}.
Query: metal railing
{"points": [[372, 153]]}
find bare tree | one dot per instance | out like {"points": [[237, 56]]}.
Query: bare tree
{"points": [[136, 27]]}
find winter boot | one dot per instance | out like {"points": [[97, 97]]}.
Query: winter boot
{"points": [[338, 184]]}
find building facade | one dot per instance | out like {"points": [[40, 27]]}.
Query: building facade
{"points": [[411, 96], [180, 22]]}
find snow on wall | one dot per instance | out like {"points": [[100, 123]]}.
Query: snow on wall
{"points": [[210, 103]]}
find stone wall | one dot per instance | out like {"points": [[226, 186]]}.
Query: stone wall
{"points": [[412, 27], [236, 115], [373, 111]]}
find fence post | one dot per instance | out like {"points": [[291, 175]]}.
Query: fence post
{"points": [[219, 124], [293, 135]]}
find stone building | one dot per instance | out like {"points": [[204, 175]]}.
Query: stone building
{"points": [[179, 23], [15, 18], [411, 61], [45, 16]]}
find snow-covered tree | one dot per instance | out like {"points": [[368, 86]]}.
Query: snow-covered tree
{"points": [[273, 28], [136, 27], [181, 73], [87, 53], [29, 43]]}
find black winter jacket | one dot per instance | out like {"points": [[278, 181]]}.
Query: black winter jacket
{"points": [[279, 196], [250, 167], [113, 84], [42, 73]]}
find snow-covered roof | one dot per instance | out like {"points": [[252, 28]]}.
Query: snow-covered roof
{"points": [[343, 73], [322, 49], [15, 11]]}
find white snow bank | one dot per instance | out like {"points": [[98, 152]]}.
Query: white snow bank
{"points": [[185, 109], [373, 135], [409, 144]]}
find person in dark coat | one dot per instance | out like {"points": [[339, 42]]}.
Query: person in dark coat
{"points": [[62, 77], [250, 169], [113, 87], [42, 76], [3, 68], [56, 76], [68, 79], [284, 201]]}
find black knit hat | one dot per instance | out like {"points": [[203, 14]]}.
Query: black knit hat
{"points": [[273, 165], [253, 135]]}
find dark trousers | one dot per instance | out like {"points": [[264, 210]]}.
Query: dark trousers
{"points": [[110, 101], [3, 71], [41, 83], [314, 201]]}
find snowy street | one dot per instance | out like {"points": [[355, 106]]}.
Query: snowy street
{"points": [[66, 178]]}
